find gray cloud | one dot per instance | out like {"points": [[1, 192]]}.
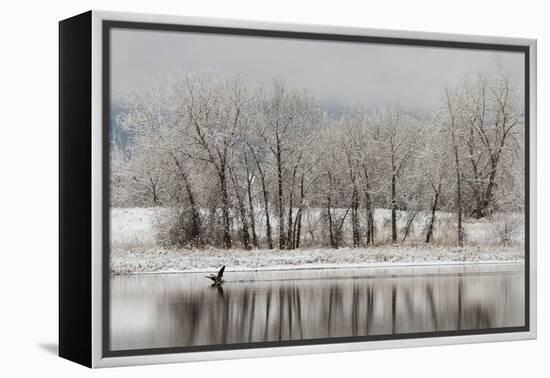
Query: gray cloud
{"points": [[335, 72]]}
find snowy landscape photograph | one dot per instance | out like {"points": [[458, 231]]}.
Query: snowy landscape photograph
{"points": [[276, 189]]}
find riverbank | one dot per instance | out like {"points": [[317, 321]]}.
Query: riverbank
{"points": [[159, 260]]}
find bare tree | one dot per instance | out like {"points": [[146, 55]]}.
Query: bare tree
{"points": [[157, 152], [211, 110], [241, 207], [490, 111], [284, 113], [451, 104], [265, 193], [250, 177], [400, 137], [434, 166], [348, 145]]}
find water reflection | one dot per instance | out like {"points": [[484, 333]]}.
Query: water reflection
{"points": [[149, 311]]}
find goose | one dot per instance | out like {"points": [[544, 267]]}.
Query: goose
{"points": [[218, 279]]}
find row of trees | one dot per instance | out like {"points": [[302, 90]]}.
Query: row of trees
{"points": [[245, 164]]}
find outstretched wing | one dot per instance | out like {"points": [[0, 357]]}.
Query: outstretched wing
{"points": [[212, 277], [220, 273]]}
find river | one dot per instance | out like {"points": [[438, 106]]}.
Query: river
{"points": [[175, 310]]}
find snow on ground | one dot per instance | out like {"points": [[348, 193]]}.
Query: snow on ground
{"points": [[151, 260], [141, 225], [135, 225], [134, 246]]}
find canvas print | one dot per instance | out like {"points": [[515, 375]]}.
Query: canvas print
{"points": [[274, 190]]}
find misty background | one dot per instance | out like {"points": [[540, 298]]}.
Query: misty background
{"points": [[335, 73]]}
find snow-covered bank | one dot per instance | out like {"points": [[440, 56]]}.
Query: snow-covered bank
{"points": [[135, 248], [155, 259]]}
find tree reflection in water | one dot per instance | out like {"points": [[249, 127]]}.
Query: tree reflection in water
{"points": [[174, 312]]}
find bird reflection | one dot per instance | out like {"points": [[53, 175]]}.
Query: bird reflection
{"points": [[218, 287]]}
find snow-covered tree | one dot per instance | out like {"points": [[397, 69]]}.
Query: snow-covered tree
{"points": [[263, 166]]}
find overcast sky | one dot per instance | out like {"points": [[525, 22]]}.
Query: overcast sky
{"points": [[335, 73]]}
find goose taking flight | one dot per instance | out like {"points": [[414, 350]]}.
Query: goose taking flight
{"points": [[218, 279]]}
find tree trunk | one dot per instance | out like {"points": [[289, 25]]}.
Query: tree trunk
{"points": [[289, 237], [356, 237], [393, 210], [460, 230], [298, 222], [249, 179], [280, 197], [154, 191], [195, 231], [329, 204], [429, 234], [289, 243], [475, 184], [368, 208], [298, 229], [225, 209], [488, 197], [408, 226], [252, 218], [331, 233], [355, 217], [244, 222], [242, 212], [266, 210], [266, 200], [370, 219]]}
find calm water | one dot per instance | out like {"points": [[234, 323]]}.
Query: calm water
{"points": [[166, 310]]}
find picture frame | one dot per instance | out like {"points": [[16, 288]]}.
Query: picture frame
{"points": [[89, 78]]}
